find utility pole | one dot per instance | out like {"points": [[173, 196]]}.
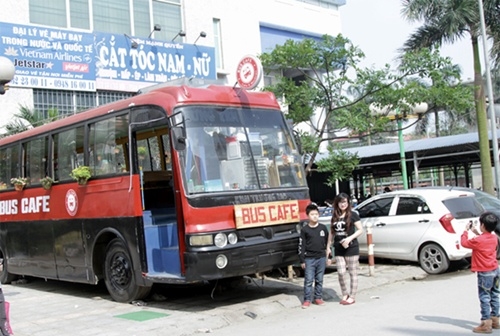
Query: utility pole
{"points": [[491, 105]]}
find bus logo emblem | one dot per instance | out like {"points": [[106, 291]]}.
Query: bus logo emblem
{"points": [[71, 202]]}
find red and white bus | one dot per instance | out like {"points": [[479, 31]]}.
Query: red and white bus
{"points": [[188, 184]]}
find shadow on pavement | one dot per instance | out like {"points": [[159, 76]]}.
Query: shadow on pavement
{"points": [[469, 325]]}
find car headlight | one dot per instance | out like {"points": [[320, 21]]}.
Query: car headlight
{"points": [[201, 240], [220, 240]]}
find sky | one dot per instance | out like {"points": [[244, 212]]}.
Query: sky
{"points": [[378, 29]]}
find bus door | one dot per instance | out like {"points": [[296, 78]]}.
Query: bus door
{"points": [[154, 161]]}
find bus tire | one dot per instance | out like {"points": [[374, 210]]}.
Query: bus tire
{"points": [[5, 276], [119, 275]]}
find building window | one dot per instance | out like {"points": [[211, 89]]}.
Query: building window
{"points": [[142, 20], [218, 44], [105, 97], [135, 17], [79, 14], [168, 15], [112, 16], [71, 102], [48, 12]]}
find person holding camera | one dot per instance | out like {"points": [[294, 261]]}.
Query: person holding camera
{"points": [[484, 262]]}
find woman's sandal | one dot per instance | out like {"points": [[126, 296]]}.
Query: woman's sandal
{"points": [[344, 301], [349, 301]]}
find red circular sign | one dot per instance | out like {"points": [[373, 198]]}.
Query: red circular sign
{"points": [[71, 202], [249, 72]]}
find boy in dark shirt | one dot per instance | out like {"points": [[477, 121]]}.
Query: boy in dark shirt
{"points": [[313, 256]]}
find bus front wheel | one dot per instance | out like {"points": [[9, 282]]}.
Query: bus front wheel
{"points": [[119, 275]]}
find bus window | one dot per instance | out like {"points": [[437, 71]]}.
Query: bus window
{"points": [[167, 154], [36, 154], [149, 146], [106, 156], [68, 152], [9, 166], [148, 154]]}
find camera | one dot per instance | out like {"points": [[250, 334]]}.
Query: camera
{"points": [[469, 225]]}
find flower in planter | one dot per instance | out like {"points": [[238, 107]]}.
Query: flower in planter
{"points": [[47, 182], [81, 174], [22, 181]]}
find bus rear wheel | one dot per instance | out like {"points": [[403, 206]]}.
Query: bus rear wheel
{"points": [[119, 275], [5, 276]]}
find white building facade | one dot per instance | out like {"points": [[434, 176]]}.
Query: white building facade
{"points": [[71, 55]]}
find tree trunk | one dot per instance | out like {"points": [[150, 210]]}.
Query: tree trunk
{"points": [[320, 135], [482, 127]]}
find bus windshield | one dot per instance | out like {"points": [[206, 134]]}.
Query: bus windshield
{"points": [[234, 148]]}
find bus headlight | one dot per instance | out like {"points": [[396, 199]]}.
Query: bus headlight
{"points": [[201, 240], [232, 238], [298, 227], [220, 240], [221, 261]]}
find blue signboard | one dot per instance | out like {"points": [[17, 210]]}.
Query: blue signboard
{"points": [[52, 58], [49, 58], [131, 62]]}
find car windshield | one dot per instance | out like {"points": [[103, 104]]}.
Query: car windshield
{"points": [[230, 148]]}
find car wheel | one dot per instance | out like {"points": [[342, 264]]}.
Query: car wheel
{"points": [[433, 259], [119, 277]]}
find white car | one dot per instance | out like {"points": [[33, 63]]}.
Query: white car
{"points": [[325, 216], [419, 225]]}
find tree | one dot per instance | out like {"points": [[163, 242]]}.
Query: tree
{"points": [[28, 118], [312, 76], [446, 21]]}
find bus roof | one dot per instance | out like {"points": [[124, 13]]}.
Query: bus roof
{"points": [[167, 97]]}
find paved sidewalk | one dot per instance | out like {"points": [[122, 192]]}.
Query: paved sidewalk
{"points": [[40, 308]]}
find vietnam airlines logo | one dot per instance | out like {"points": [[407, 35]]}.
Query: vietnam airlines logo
{"points": [[10, 51]]}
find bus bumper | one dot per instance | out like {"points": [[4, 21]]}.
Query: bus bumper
{"points": [[241, 260]]}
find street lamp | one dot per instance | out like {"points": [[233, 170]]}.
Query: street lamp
{"points": [[7, 72], [416, 111]]}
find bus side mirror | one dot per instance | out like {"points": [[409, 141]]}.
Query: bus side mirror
{"points": [[179, 138]]}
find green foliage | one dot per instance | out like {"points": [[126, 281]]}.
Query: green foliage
{"points": [[28, 118], [141, 150], [323, 78], [81, 174], [47, 182], [339, 163], [447, 21]]}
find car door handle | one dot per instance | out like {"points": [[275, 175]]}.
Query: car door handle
{"points": [[380, 224], [423, 221]]}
